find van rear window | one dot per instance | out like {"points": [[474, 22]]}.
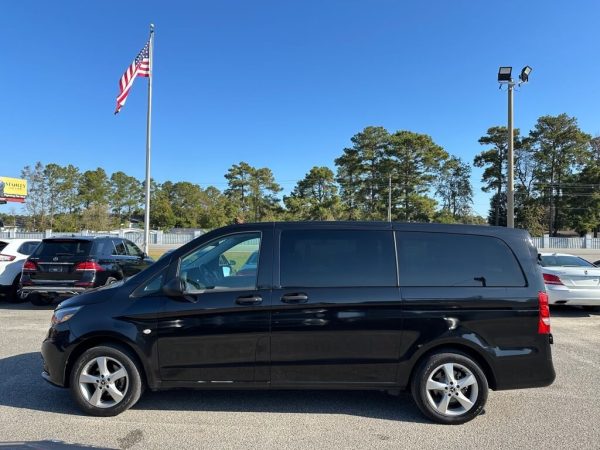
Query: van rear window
{"points": [[455, 260]]}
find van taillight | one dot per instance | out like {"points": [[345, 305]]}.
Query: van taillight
{"points": [[29, 266], [89, 265], [551, 279], [544, 318]]}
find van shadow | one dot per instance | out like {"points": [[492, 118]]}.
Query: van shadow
{"points": [[372, 404], [47, 445], [23, 387], [26, 306], [571, 311]]}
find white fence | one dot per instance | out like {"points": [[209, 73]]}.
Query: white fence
{"points": [[158, 237], [586, 242], [134, 235]]}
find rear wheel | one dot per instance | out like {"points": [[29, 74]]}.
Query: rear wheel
{"points": [[105, 381], [449, 388], [39, 299], [13, 294]]}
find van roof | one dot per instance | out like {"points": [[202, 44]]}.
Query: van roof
{"points": [[407, 226]]}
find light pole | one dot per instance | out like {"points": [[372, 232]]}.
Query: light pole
{"points": [[505, 77], [390, 199]]}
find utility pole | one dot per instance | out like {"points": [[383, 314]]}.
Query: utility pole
{"points": [[390, 199]]}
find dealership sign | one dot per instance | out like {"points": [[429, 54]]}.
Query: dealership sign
{"points": [[12, 190]]}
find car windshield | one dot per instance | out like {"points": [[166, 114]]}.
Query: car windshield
{"points": [[564, 261]]}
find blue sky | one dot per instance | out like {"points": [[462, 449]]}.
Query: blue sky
{"points": [[283, 84]]}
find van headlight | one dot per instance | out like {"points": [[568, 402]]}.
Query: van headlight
{"points": [[64, 314]]}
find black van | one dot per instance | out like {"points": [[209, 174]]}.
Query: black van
{"points": [[446, 311]]}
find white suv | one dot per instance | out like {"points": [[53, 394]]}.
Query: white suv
{"points": [[13, 253]]}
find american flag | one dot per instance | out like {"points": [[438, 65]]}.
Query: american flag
{"points": [[140, 67]]}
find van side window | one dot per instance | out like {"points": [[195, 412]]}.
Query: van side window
{"points": [[337, 258], [223, 264], [453, 260], [151, 287]]}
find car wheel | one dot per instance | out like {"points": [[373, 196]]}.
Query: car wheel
{"points": [[39, 300], [105, 381], [449, 388], [13, 295]]}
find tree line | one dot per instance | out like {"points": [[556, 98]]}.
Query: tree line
{"points": [[557, 176], [403, 174]]}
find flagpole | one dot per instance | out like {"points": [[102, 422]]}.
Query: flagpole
{"points": [[148, 142]]}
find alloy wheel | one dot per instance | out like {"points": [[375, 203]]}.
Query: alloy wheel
{"points": [[452, 389], [103, 382]]}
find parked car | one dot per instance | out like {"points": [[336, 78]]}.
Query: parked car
{"points": [[13, 253], [445, 311], [571, 280], [65, 266]]}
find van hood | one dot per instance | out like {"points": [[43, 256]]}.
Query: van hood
{"points": [[98, 295]]}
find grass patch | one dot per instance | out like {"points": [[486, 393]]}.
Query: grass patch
{"points": [[155, 254]]}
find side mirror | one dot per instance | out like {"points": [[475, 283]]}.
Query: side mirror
{"points": [[175, 288]]}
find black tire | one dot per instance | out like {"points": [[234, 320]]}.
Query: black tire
{"points": [[39, 300], [132, 388], [13, 295], [432, 366]]}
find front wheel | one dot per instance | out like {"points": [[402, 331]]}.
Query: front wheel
{"points": [[105, 381], [449, 388]]}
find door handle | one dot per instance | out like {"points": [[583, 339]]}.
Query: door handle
{"points": [[249, 300], [295, 298]]}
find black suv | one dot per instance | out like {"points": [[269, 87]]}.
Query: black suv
{"points": [[444, 311], [65, 266]]}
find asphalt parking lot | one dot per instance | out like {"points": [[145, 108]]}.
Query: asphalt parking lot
{"points": [[33, 413]]}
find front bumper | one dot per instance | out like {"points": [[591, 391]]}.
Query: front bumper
{"points": [[55, 355], [563, 295]]}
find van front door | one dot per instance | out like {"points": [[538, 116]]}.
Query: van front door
{"points": [[222, 336]]}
